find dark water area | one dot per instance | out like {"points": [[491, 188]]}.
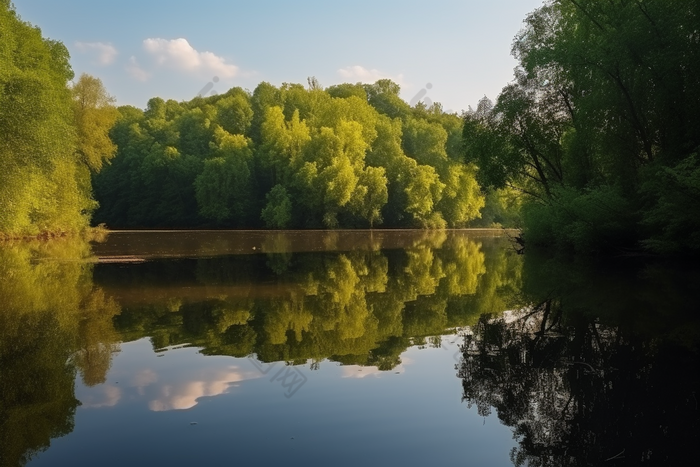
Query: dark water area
{"points": [[342, 348]]}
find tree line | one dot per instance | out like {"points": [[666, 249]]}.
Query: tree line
{"points": [[595, 143], [293, 156]]}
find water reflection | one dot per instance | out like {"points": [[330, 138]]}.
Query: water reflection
{"points": [[361, 307], [187, 389], [357, 299], [600, 370], [598, 367], [101, 396], [51, 313], [163, 384]]}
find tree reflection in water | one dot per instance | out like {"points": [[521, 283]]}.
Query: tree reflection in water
{"points": [[365, 306], [62, 315], [584, 382], [53, 322]]}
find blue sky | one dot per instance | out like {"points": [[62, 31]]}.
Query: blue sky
{"points": [[141, 49]]}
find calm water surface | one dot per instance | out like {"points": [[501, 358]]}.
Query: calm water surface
{"points": [[341, 348]]}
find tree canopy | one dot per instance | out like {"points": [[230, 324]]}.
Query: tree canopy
{"points": [[601, 127], [351, 155], [52, 134]]}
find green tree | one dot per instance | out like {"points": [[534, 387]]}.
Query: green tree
{"points": [[339, 161], [44, 183], [277, 213], [461, 199], [370, 195], [604, 103], [426, 143], [94, 115], [264, 96], [234, 113], [345, 90], [384, 96], [224, 188]]}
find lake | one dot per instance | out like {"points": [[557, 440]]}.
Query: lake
{"points": [[341, 348]]}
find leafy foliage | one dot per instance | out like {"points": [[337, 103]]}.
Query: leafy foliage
{"points": [[277, 213], [590, 220], [605, 101], [288, 157], [674, 217], [52, 135], [94, 116]]}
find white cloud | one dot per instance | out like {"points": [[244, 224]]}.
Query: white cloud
{"points": [[359, 73], [359, 372], [185, 394], [180, 55], [106, 53], [135, 70], [99, 396]]}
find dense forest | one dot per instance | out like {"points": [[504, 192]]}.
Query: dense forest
{"points": [[593, 147], [601, 127], [52, 134], [296, 156]]}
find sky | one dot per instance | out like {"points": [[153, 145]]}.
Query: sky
{"points": [[448, 51]]}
